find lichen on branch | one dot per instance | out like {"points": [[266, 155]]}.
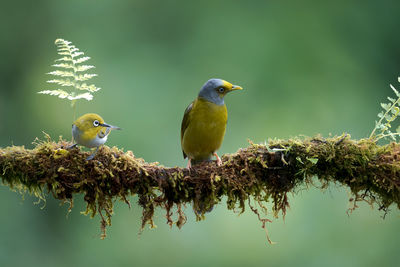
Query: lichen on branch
{"points": [[250, 177]]}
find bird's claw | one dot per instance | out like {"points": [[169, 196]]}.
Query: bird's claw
{"points": [[219, 161], [189, 165], [71, 146], [93, 154], [91, 157]]}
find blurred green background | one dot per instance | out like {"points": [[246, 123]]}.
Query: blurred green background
{"points": [[307, 67]]}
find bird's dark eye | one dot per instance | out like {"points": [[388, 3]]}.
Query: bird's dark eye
{"points": [[221, 89], [96, 123]]}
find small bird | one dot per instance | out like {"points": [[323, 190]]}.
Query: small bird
{"points": [[204, 122], [91, 131]]}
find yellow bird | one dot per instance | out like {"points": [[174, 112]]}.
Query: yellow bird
{"points": [[91, 131], [204, 122]]}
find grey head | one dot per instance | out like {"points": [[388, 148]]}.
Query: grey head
{"points": [[214, 90]]}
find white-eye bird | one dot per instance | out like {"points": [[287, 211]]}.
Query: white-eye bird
{"points": [[91, 131], [204, 122]]}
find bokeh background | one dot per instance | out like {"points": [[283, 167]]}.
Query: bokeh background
{"points": [[307, 67]]}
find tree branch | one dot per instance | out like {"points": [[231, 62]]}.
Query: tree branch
{"points": [[255, 175]]}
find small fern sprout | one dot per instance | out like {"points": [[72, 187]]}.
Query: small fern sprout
{"points": [[71, 74], [387, 116]]}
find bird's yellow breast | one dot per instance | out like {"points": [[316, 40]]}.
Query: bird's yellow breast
{"points": [[91, 133], [89, 137], [205, 130]]}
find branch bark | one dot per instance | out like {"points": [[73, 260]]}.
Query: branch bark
{"points": [[252, 176]]}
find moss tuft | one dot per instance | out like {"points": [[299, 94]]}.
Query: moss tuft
{"points": [[251, 177]]}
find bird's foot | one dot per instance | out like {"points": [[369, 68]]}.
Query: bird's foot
{"points": [[71, 146], [91, 157], [94, 154], [219, 161], [189, 165]]}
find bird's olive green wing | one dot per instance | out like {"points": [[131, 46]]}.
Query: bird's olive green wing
{"points": [[185, 123]]}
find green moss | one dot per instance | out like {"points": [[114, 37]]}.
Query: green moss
{"points": [[252, 177]]}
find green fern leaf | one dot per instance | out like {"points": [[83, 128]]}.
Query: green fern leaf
{"points": [[91, 88], [385, 106], [386, 117], [60, 93], [84, 77], [66, 82], [84, 68], [64, 59], [395, 91], [64, 53], [87, 96], [63, 94], [64, 66], [71, 74], [395, 110], [62, 73], [391, 99], [76, 54], [81, 60]]}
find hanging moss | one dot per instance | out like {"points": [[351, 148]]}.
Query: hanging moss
{"points": [[250, 177]]}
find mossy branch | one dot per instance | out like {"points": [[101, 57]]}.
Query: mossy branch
{"points": [[254, 175]]}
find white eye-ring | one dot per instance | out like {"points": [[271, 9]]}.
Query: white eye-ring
{"points": [[96, 123], [221, 89]]}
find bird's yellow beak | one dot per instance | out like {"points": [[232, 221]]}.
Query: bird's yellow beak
{"points": [[236, 87], [110, 126]]}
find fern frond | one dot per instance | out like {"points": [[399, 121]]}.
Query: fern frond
{"points": [[60, 93], [87, 96], [84, 68], [76, 68], [62, 73], [62, 42], [64, 66], [84, 77], [90, 88], [83, 86], [64, 94], [71, 73], [62, 82], [386, 117], [81, 60], [64, 59], [76, 54]]}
